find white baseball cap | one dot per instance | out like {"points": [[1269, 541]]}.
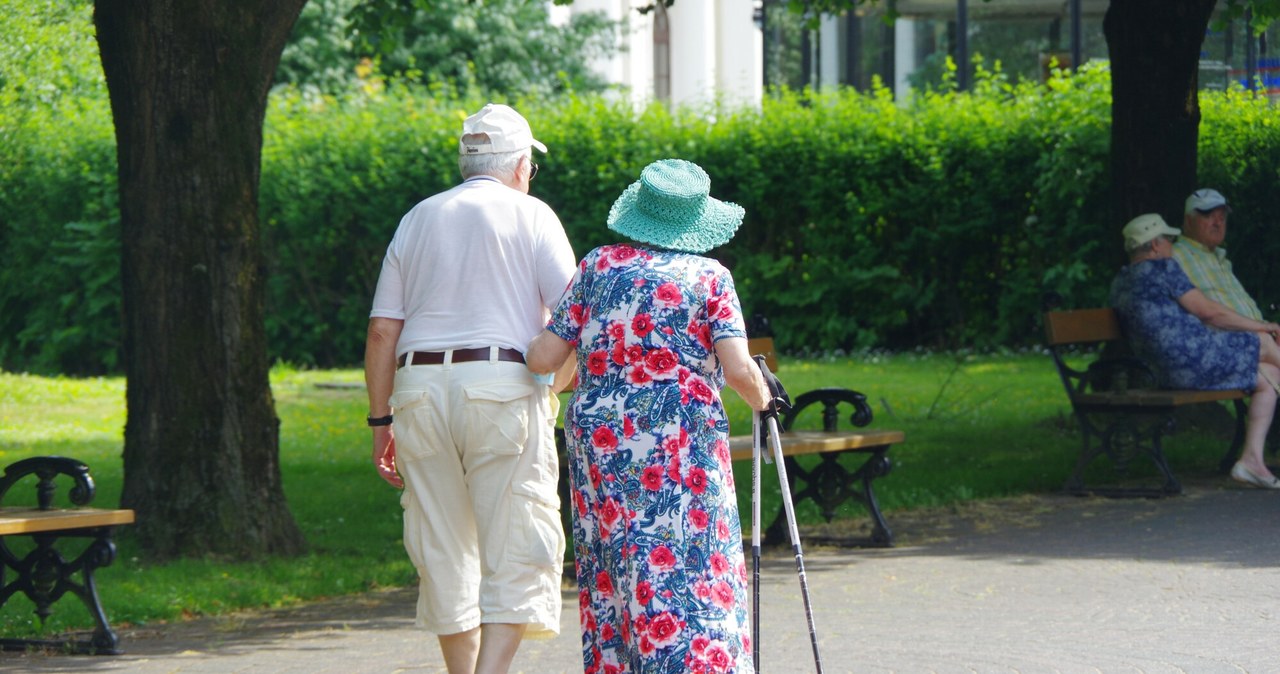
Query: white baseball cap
{"points": [[505, 129], [1144, 228], [1205, 200]]}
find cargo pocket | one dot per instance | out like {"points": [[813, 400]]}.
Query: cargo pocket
{"points": [[498, 416], [536, 536], [414, 427], [538, 475]]}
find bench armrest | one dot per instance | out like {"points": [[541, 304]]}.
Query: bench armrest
{"points": [[47, 468], [830, 399]]}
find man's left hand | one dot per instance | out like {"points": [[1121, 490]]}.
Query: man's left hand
{"points": [[384, 456]]}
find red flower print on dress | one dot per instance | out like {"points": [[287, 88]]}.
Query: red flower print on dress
{"points": [[673, 469], [616, 330], [644, 592], [701, 332], [642, 325], [672, 444], [723, 456], [598, 362], [697, 389], [604, 439], [697, 480], [661, 364], [578, 314], [665, 629], [619, 354], [628, 427], [610, 513], [594, 474], [698, 519], [606, 633], [718, 658], [661, 558], [622, 254], [604, 584], [668, 295], [719, 564], [637, 375], [722, 530], [722, 595], [651, 478]]}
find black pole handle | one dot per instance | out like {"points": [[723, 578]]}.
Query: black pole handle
{"points": [[779, 400]]}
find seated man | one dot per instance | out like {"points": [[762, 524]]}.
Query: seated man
{"points": [[1199, 251]]}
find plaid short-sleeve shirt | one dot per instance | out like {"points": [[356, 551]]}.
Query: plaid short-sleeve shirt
{"points": [[1210, 271]]}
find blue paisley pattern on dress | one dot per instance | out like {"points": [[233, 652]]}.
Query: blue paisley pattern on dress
{"points": [[657, 539], [1184, 352]]}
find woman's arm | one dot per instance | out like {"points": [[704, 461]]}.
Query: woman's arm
{"points": [[548, 352], [1221, 317], [741, 372]]}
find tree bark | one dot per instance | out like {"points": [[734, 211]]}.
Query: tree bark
{"points": [[188, 81], [1154, 47]]}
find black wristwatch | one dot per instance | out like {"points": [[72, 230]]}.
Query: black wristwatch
{"points": [[379, 421]]}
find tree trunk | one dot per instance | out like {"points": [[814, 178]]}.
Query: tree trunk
{"points": [[1155, 109], [188, 81]]}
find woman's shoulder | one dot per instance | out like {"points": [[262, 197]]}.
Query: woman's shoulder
{"points": [[1148, 268]]}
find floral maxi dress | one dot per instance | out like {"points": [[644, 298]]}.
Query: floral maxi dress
{"points": [[658, 543], [1183, 351]]}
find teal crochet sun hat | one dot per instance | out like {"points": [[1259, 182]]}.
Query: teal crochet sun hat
{"points": [[671, 206]]}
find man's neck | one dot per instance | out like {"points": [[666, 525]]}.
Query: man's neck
{"points": [[1200, 244]]}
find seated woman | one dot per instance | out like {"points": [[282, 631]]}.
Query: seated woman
{"points": [[1193, 342]]}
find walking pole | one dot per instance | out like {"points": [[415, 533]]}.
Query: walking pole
{"points": [[756, 445], [771, 425]]}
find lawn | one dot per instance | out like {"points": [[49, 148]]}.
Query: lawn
{"points": [[977, 426]]}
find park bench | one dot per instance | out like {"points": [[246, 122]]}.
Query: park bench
{"points": [[829, 484], [42, 572], [1120, 411]]}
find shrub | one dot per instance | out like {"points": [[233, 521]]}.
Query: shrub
{"points": [[869, 224]]}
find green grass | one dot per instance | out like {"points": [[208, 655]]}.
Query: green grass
{"points": [[976, 427]]}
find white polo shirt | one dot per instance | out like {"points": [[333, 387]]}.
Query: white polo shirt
{"points": [[478, 265]]}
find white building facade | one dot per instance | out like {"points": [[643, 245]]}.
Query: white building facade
{"points": [[693, 53]]}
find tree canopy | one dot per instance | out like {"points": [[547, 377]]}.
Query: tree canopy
{"points": [[511, 47]]}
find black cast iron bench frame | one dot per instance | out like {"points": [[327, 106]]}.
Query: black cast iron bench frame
{"points": [[828, 483], [44, 574]]}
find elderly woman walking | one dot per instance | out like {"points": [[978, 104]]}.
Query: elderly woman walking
{"points": [[658, 330], [1193, 342]]}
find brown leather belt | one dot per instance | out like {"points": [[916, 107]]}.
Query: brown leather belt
{"points": [[460, 356]]}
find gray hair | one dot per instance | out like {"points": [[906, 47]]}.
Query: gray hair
{"points": [[500, 165], [1141, 248]]}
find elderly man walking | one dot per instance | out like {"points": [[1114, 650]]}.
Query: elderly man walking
{"points": [[468, 280], [1200, 253]]}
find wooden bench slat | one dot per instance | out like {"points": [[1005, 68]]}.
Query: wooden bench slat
{"points": [[29, 520], [763, 346], [1081, 326], [816, 442], [1157, 397]]}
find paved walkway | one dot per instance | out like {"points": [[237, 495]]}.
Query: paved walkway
{"points": [[1045, 584]]}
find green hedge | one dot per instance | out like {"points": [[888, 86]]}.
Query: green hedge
{"points": [[869, 224]]}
